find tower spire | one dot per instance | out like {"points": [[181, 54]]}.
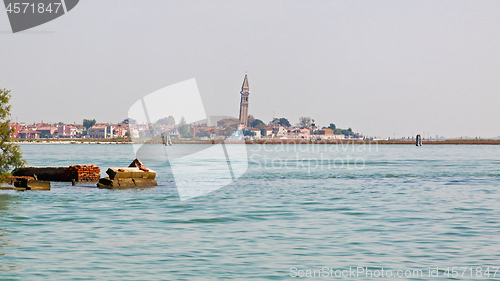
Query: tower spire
{"points": [[245, 87], [245, 92]]}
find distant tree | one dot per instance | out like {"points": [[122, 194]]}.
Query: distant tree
{"points": [[183, 121], [250, 119], [305, 122], [228, 131], [280, 122], [257, 123], [347, 132], [332, 126], [87, 123], [285, 122], [10, 153], [129, 121], [184, 129], [168, 121]]}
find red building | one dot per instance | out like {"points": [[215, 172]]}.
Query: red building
{"points": [[29, 134]]}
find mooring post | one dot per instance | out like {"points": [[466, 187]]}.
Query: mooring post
{"points": [[419, 140]]}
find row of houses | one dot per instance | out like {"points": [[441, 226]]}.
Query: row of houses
{"points": [[221, 131], [44, 130], [108, 130], [103, 131], [294, 133]]}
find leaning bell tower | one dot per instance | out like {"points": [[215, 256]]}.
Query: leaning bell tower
{"points": [[245, 92]]}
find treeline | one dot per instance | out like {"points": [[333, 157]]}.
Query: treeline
{"points": [[304, 123]]}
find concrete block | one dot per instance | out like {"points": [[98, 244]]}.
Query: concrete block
{"points": [[121, 173], [125, 182], [28, 184]]}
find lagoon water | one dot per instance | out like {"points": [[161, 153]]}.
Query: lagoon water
{"points": [[297, 208]]}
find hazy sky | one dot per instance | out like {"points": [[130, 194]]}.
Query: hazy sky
{"points": [[379, 67]]}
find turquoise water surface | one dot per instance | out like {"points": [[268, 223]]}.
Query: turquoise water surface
{"points": [[297, 209]]}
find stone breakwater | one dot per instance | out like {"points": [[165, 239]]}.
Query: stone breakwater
{"points": [[281, 141], [350, 141]]}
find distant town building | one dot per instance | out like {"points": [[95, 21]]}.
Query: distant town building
{"points": [[326, 131], [280, 132], [47, 130], [269, 131], [245, 92], [327, 134], [299, 133], [28, 134], [65, 131], [256, 133], [98, 132], [110, 131], [120, 132]]}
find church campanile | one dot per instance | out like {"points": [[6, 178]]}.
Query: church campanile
{"points": [[245, 91]]}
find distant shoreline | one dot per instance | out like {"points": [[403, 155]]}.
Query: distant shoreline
{"points": [[268, 141]]}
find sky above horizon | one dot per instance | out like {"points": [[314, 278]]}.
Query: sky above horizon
{"points": [[383, 68]]}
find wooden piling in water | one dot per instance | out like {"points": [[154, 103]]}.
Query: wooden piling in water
{"points": [[418, 140]]}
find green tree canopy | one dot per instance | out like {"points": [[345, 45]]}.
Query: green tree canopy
{"points": [[128, 121], [184, 129], [183, 121], [11, 156], [87, 123], [168, 121], [280, 122], [250, 119], [257, 123], [305, 122]]}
